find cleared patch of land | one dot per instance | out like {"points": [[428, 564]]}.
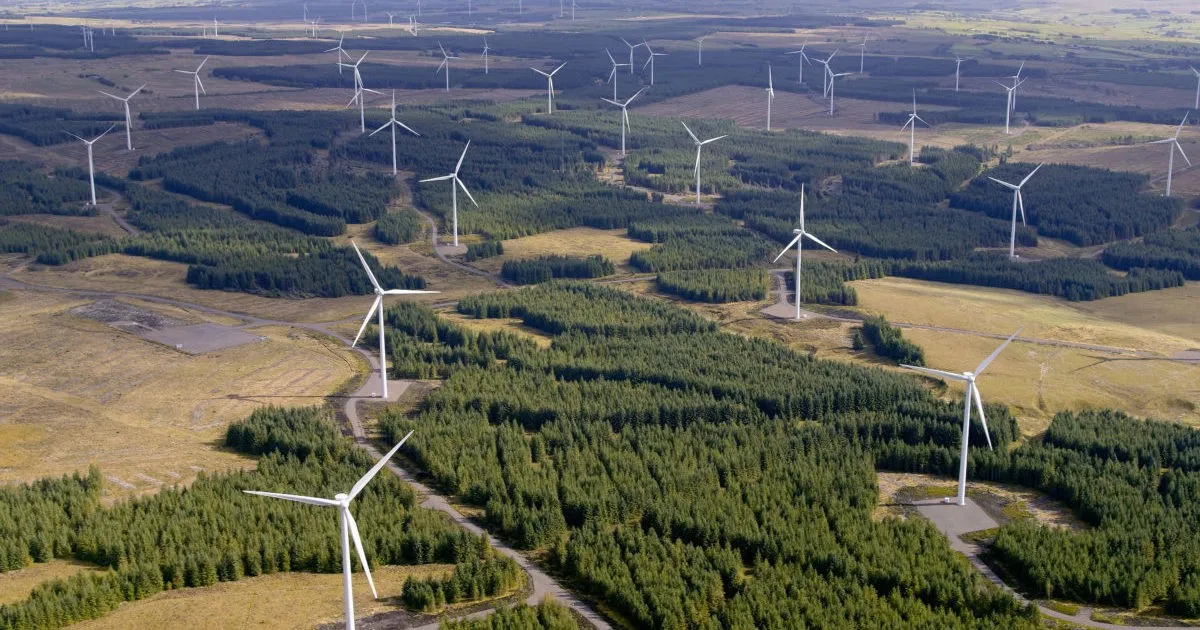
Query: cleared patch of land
{"points": [[280, 600], [512, 325], [99, 224], [581, 241], [76, 392], [1013, 501], [17, 585]]}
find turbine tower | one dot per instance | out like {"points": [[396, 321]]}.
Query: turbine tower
{"points": [[699, 145], [912, 132], [825, 80], [340, 51], [359, 88], [393, 123], [798, 241], [197, 86], [803, 60], [770, 94], [486, 50], [445, 65], [612, 76], [128, 118], [455, 183], [650, 61], [1009, 107], [549, 86], [971, 395], [862, 54], [349, 528], [831, 78], [377, 305], [631, 49], [700, 52], [624, 114], [1174, 142], [1197, 73], [958, 61], [1018, 202], [91, 165], [1012, 104]]}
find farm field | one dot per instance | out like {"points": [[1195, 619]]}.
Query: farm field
{"points": [[146, 414]]}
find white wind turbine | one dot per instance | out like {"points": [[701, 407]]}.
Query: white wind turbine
{"points": [[798, 241], [393, 123], [573, 7], [128, 118], [197, 86], [699, 145], [1174, 142], [313, 27], [972, 394], [215, 31], [770, 94], [1009, 107], [624, 114], [340, 51], [445, 65], [612, 76], [650, 61], [549, 86], [631, 49], [486, 50], [91, 165], [455, 183], [377, 306], [958, 62], [700, 52], [912, 133], [1012, 104], [1197, 73], [825, 81], [862, 54], [349, 528], [831, 78], [803, 59], [359, 89], [1018, 202]]}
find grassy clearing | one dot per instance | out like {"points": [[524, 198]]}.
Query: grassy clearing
{"points": [[581, 241], [76, 392], [16, 585], [281, 600], [99, 224], [1006, 501], [513, 325]]}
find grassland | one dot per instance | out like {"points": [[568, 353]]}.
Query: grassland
{"points": [[581, 241], [16, 585], [281, 600], [76, 392]]}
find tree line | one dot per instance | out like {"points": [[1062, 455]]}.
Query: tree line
{"points": [[549, 267]]}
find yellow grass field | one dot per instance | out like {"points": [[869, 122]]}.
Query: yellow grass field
{"points": [[580, 241], [280, 600], [1038, 380], [17, 585], [76, 392]]}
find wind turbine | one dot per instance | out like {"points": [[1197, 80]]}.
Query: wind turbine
{"points": [[700, 52], [349, 528], [825, 81], [912, 133], [801, 234], [971, 395], [215, 32], [831, 78], [1174, 142], [1016, 83], [699, 145], [631, 49], [197, 86], [340, 51], [455, 183], [91, 166], [624, 114], [549, 86], [128, 118], [862, 54], [393, 123], [612, 76], [486, 50], [1018, 202], [359, 88], [803, 59], [770, 94], [313, 26], [391, 17], [445, 65], [377, 306], [650, 61], [958, 61], [1197, 73], [573, 6], [1008, 110]]}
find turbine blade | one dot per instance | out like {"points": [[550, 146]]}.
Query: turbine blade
{"points": [[982, 418], [932, 372], [462, 157], [366, 320], [202, 64], [560, 67], [1030, 174], [362, 557], [609, 100], [1021, 205], [295, 497], [694, 138], [787, 247], [437, 179], [1003, 183], [819, 242], [374, 282], [464, 189], [362, 483], [539, 72], [110, 95], [1185, 157], [983, 366], [406, 292], [636, 94], [385, 126], [406, 127], [714, 139], [201, 84], [136, 91]]}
